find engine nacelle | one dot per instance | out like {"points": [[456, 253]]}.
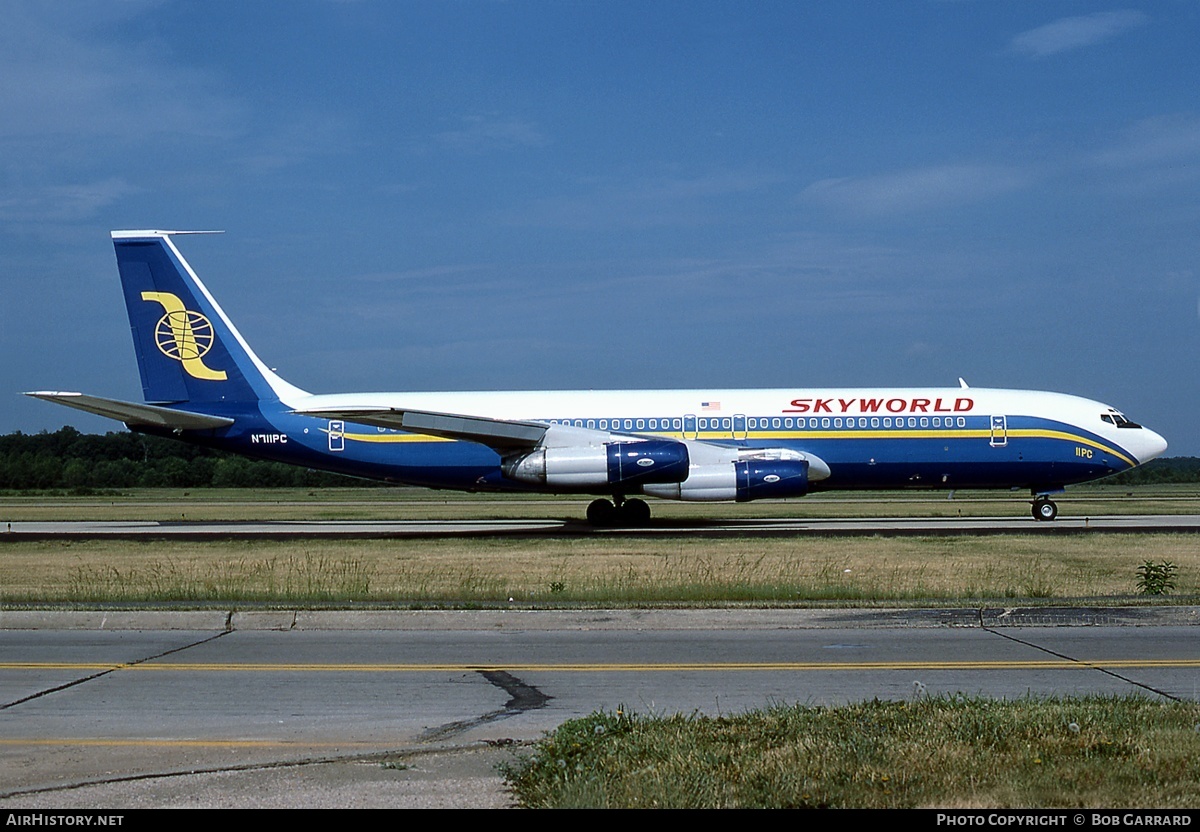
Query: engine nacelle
{"points": [[744, 480], [615, 464]]}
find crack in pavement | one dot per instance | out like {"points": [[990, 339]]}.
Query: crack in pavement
{"points": [[67, 685], [375, 756], [522, 697], [1082, 664]]}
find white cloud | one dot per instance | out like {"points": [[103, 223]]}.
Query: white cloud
{"points": [[938, 186], [87, 89], [61, 203], [1076, 32], [644, 203], [296, 137], [67, 75], [483, 133], [431, 275], [1154, 141]]}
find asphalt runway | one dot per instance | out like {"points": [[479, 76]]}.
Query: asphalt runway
{"points": [[127, 709], [284, 529]]}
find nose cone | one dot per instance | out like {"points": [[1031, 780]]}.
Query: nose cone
{"points": [[1150, 445]]}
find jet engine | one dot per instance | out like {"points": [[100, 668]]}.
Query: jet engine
{"points": [[614, 464], [743, 480]]}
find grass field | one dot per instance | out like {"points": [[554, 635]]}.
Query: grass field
{"points": [[1082, 569], [549, 572], [416, 504], [948, 752]]}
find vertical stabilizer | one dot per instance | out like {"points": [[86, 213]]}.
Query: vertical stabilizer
{"points": [[187, 349]]}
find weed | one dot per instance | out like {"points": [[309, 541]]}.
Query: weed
{"points": [[1156, 578]]}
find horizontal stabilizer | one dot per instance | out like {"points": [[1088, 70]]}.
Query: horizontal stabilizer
{"points": [[132, 413], [495, 433]]}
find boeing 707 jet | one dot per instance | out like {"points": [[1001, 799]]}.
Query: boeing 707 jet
{"points": [[204, 384]]}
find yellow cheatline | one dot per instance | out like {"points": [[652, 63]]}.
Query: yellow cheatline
{"points": [[1071, 437], [1021, 433], [393, 437], [387, 437], [1025, 433]]}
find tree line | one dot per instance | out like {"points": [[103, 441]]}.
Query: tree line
{"points": [[68, 459], [1170, 469]]}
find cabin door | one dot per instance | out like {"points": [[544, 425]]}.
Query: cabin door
{"points": [[999, 431], [739, 427], [337, 436]]}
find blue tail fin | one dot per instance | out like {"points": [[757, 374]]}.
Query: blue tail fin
{"points": [[187, 350]]}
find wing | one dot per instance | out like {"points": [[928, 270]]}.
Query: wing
{"points": [[132, 413], [500, 434]]}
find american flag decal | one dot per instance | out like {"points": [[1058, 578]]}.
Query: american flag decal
{"points": [[710, 405]]}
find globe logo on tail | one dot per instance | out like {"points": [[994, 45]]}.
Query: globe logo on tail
{"points": [[184, 335]]}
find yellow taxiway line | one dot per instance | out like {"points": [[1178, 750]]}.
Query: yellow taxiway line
{"points": [[598, 667]]}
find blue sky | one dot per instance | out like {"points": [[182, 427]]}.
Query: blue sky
{"points": [[522, 195]]}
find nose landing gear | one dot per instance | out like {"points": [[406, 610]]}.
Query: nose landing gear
{"points": [[1044, 509]]}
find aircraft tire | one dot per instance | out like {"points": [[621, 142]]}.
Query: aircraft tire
{"points": [[1045, 510], [601, 512], [635, 513]]}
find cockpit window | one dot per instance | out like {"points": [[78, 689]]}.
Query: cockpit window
{"points": [[1115, 418]]}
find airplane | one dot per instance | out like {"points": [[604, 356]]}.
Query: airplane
{"points": [[203, 384]]}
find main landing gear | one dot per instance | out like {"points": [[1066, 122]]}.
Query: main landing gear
{"points": [[633, 512], [1044, 508]]}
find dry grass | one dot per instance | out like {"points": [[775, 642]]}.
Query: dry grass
{"points": [[422, 504], [603, 570]]}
